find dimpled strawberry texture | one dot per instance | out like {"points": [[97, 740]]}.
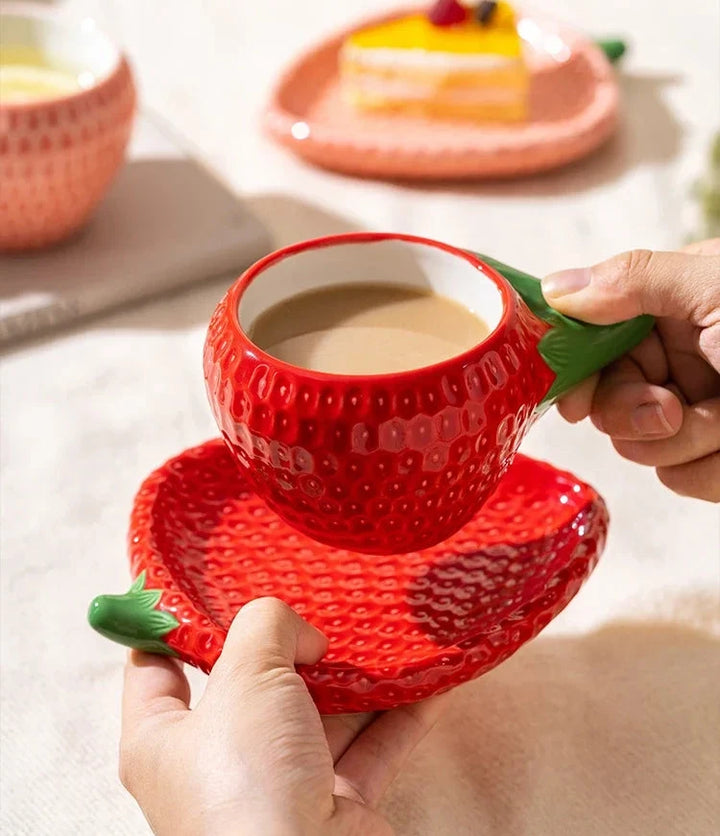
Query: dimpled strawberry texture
{"points": [[57, 159], [376, 467], [401, 628]]}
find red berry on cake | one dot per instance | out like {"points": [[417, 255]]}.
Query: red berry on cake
{"points": [[447, 13]]}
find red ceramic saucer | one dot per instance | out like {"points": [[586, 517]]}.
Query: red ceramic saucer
{"points": [[573, 109], [401, 628]]}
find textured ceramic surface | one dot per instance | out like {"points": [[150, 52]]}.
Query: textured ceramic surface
{"points": [[380, 464], [400, 628], [58, 157], [394, 463], [573, 109]]}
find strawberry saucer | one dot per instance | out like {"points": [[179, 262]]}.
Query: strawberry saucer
{"points": [[401, 627], [573, 109]]}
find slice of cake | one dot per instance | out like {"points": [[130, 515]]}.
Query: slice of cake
{"points": [[453, 62]]}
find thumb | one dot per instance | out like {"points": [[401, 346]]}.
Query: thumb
{"points": [[678, 285], [267, 635], [259, 713]]}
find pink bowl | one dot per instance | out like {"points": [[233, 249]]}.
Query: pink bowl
{"points": [[58, 156]]}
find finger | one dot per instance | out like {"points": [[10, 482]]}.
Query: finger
{"points": [[699, 479], [680, 285], [352, 816], [155, 691], [638, 412], [709, 247], [698, 437], [650, 356], [153, 685], [342, 729], [375, 758], [254, 687], [576, 404], [267, 634], [626, 406], [696, 373], [675, 389]]}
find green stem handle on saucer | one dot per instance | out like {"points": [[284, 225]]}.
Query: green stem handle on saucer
{"points": [[574, 350], [614, 48], [134, 618]]}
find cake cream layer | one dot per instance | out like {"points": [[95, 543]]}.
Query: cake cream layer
{"points": [[411, 59], [440, 107], [512, 73], [406, 89]]}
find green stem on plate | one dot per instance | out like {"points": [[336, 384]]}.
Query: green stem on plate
{"points": [[132, 619], [614, 48]]}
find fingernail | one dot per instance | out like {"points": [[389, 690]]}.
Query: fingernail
{"points": [[565, 282], [649, 419]]}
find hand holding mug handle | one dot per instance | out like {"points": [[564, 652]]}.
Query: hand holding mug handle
{"points": [[660, 403], [574, 350]]}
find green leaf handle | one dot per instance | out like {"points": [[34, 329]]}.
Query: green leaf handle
{"points": [[574, 350], [614, 48], [132, 619]]}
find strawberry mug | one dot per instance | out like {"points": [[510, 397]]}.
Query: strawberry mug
{"points": [[392, 463]]}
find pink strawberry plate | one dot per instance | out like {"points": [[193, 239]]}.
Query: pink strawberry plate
{"points": [[573, 110]]}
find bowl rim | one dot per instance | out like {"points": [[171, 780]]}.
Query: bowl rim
{"points": [[21, 9], [492, 341]]}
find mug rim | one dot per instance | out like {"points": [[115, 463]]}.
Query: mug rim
{"points": [[54, 17], [490, 341]]}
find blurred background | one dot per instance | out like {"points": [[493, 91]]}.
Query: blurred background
{"points": [[212, 68]]}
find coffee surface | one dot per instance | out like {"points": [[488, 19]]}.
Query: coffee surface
{"points": [[367, 329]]}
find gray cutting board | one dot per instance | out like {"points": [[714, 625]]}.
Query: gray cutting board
{"points": [[167, 222]]}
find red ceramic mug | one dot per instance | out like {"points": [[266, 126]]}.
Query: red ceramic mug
{"points": [[398, 462]]}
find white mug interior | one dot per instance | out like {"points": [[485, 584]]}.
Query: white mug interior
{"points": [[412, 264], [78, 47]]}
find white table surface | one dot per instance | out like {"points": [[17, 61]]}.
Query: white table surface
{"points": [[86, 415], [166, 223]]}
